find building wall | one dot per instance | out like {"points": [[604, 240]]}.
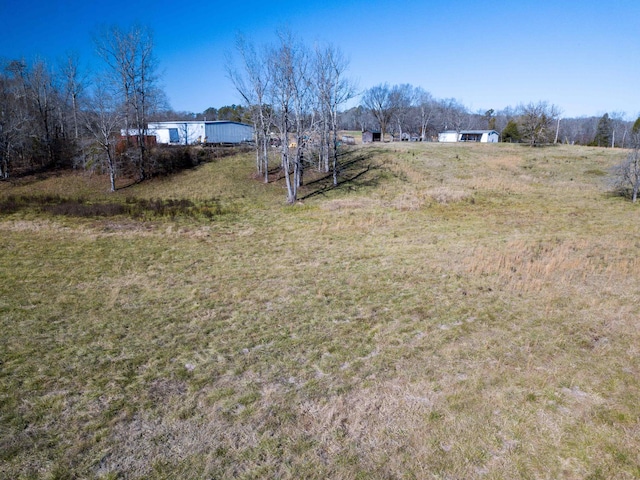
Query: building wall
{"points": [[178, 133], [190, 132], [490, 137], [448, 137], [369, 136], [471, 136], [228, 132]]}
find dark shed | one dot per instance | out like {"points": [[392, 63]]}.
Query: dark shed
{"points": [[369, 136]]}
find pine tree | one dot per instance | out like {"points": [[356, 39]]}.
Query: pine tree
{"points": [[603, 131], [510, 133]]}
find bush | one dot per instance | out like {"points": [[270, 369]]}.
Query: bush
{"points": [[626, 176]]}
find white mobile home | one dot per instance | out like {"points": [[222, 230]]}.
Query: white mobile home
{"points": [[483, 136], [449, 136], [191, 132]]}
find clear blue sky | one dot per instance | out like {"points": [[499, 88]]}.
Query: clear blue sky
{"points": [[583, 56]]}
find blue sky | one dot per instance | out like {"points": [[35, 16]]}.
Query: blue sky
{"points": [[583, 56]]}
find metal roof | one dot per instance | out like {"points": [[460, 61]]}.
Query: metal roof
{"points": [[478, 131]]}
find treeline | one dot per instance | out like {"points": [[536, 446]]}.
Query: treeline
{"points": [[233, 113], [405, 112], [58, 116], [39, 122]]}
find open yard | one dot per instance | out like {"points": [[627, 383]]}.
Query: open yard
{"points": [[452, 312]]}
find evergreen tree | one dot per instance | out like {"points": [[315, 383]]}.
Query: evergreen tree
{"points": [[510, 133], [603, 132]]}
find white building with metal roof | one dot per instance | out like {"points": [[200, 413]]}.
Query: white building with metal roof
{"points": [[482, 136]]}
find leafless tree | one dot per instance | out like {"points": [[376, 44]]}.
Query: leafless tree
{"points": [[426, 107], [537, 121], [626, 177], [74, 85], [378, 101], [288, 69], [297, 92], [402, 99], [619, 130], [333, 89], [253, 84], [132, 67], [42, 99], [453, 115], [14, 119], [101, 120]]}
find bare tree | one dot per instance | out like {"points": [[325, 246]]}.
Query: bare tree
{"points": [[536, 121], [333, 89], [101, 120], [426, 107], [378, 100], [620, 129], [14, 120], [298, 93], [42, 98], [253, 84], [627, 175], [301, 87], [132, 66], [74, 85], [453, 115], [402, 99], [288, 63]]}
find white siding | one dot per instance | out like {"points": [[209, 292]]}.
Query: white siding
{"points": [[448, 137], [484, 136], [191, 132], [490, 137], [188, 132]]}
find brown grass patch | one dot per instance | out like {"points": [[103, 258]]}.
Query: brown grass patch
{"points": [[464, 311]]}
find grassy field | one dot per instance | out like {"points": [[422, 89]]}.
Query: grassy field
{"points": [[451, 312]]}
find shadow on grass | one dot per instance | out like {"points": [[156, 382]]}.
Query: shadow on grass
{"points": [[356, 170], [132, 207]]}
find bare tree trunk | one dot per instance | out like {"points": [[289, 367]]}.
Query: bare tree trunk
{"points": [[292, 191], [635, 175], [4, 166], [335, 153], [112, 168]]}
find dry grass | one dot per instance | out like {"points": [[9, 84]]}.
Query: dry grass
{"points": [[457, 311]]}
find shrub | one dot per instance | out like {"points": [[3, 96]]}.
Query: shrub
{"points": [[626, 175]]}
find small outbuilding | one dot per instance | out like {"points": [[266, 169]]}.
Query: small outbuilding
{"points": [[482, 136], [369, 136], [191, 132]]}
